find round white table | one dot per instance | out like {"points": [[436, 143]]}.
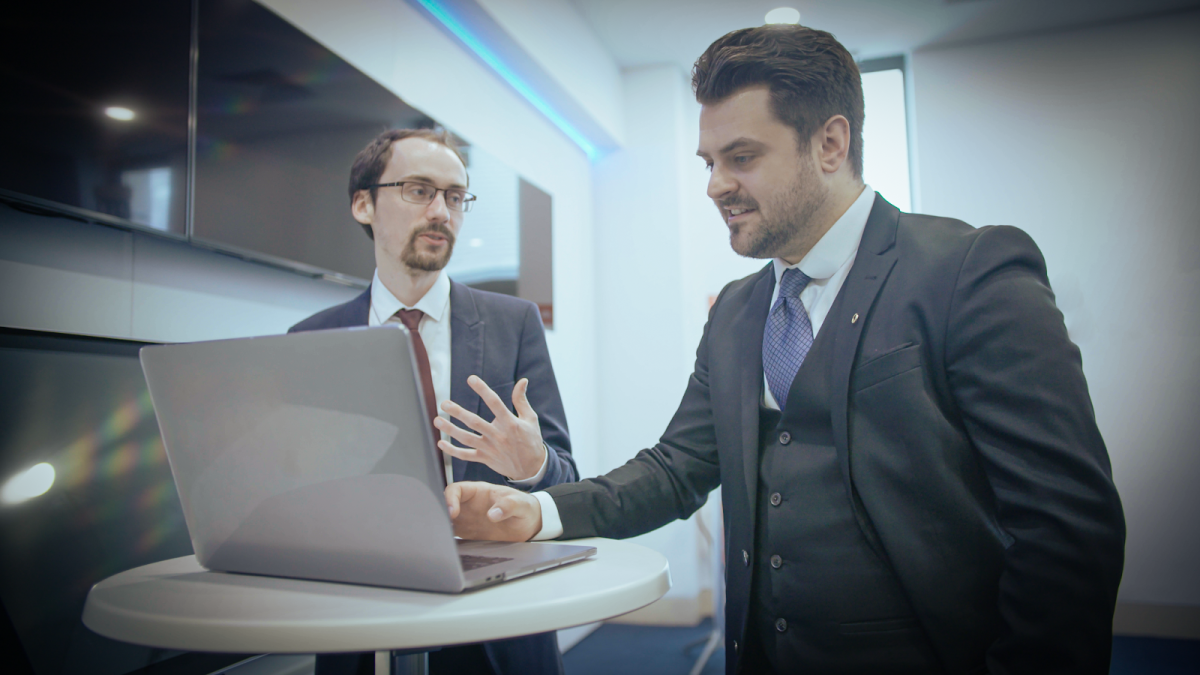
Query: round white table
{"points": [[177, 604]]}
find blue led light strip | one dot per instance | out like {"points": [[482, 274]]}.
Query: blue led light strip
{"points": [[489, 57]]}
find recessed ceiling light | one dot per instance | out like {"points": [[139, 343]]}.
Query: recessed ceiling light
{"points": [[119, 113], [783, 15]]}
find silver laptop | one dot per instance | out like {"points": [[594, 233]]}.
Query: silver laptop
{"points": [[310, 455]]}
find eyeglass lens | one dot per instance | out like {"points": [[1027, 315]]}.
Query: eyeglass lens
{"points": [[419, 193]]}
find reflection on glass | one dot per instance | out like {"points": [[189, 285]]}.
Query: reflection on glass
{"points": [[112, 505], [93, 91], [492, 263], [30, 483], [150, 196]]}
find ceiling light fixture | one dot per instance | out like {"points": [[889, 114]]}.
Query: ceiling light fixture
{"points": [[783, 15], [118, 113]]}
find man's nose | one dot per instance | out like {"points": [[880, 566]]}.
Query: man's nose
{"points": [[437, 211], [719, 184]]}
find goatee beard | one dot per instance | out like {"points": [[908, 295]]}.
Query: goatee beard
{"points": [[427, 262]]}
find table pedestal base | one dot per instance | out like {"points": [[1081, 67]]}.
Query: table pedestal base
{"points": [[388, 663]]}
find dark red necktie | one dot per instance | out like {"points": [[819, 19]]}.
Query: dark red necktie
{"points": [[411, 318]]}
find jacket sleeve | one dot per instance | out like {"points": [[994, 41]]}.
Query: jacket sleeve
{"points": [[666, 482], [1018, 381], [533, 362]]}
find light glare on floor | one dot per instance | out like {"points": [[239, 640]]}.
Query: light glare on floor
{"points": [[118, 113], [30, 483], [783, 15]]}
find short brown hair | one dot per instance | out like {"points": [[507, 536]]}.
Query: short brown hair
{"points": [[810, 74], [372, 160]]}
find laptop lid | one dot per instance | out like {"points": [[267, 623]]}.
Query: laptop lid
{"points": [[310, 455], [306, 455]]}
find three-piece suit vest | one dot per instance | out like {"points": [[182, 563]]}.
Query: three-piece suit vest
{"points": [[850, 614]]}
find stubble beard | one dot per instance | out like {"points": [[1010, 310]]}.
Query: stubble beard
{"points": [[790, 213], [416, 259]]}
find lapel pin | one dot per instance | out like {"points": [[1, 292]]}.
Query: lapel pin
{"points": [[854, 319]]}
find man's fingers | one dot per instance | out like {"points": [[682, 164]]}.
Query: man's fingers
{"points": [[456, 495], [468, 454], [521, 401], [489, 397], [459, 434], [466, 416], [504, 508]]}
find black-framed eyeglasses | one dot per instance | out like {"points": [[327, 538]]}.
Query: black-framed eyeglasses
{"points": [[413, 192]]}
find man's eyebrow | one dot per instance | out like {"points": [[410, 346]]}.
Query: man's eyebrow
{"points": [[426, 179], [735, 144]]}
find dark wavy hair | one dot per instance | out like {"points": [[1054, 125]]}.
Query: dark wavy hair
{"points": [[810, 75], [372, 160]]}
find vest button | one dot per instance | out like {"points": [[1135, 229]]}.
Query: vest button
{"points": [[785, 438], [781, 625], [776, 562], [745, 557], [776, 499], [735, 645]]}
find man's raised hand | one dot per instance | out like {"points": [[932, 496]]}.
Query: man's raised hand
{"points": [[493, 512], [511, 445]]}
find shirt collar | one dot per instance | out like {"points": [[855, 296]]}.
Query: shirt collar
{"points": [[434, 303], [838, 245]]}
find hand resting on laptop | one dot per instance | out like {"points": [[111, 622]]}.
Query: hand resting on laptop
{"points": [[493, 512]]}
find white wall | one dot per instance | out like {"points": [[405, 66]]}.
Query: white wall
{"points": [[1089, 141], [63, 275], [639, 301], [554, 34]]}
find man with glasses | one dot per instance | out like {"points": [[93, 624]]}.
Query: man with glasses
{"points": [[408, 190]]}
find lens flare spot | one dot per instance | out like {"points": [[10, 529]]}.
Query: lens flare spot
{"points": [[30, 483]]}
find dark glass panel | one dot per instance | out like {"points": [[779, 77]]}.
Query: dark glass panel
{"points": [[62, 64], [81, 406], [279, 121]]}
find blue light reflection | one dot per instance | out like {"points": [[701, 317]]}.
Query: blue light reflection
{"points": [[489, 57]]}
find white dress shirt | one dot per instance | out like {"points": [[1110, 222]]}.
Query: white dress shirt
{"points": [[434, 330], [827, 264]]}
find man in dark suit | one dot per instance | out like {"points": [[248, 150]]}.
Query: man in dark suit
{"points": [[911, 473], [408, 189]]}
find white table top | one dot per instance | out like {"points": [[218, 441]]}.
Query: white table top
{"points": [[177, 604]]}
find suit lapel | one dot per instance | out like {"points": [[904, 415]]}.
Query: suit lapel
{"points": [[874, 261], [748, 337], [466, 354], [355, 312]]}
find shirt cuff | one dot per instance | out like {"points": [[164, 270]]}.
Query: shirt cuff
{"points": [[551, 523], [537, 477]]}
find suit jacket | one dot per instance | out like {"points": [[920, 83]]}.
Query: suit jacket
{"points": [[499, 338], [966, 439]]}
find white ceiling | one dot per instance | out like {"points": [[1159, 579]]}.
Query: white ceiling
{"points": [[651, 32]]}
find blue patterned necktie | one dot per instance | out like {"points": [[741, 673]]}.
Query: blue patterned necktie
{"points": [[788, 335]]}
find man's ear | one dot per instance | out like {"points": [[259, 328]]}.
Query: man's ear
{"points": [[832, 142], [363, 207]]}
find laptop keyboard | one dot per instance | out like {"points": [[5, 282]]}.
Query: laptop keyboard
{"points": [[474, 562]]}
